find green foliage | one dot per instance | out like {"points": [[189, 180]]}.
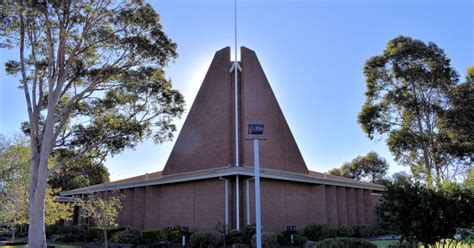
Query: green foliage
{"points": [[247, 233], [269, 240], [128, 236], [465, 235], [173, 234], [94, 85], [203, 240], [343, 243], [78, 174], [14, 177], [317, 232], [96, 234], [299, 240], [152, 236], [422, 214], [66, 233], [370, 167], [457, 121], [234, 237], [103, 211], [408, 88], [470, 73]]}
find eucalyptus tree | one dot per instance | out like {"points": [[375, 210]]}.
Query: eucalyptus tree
{"points": [[407, 93], [370, 167], [93, 78]]}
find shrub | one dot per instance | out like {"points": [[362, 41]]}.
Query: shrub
{"points": [[425, 215], [152, 236], [234, 237], [346, 231], [128, 236], [66, 234], [284, 239], [344, 242], [317, 232], [96, 234], [173, 234], [269, 240], [203, 240], [247, 233]]}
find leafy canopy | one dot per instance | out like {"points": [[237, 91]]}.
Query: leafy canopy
{"points": [[371, 167], [422, 214], [92, 73], [408, 89]]}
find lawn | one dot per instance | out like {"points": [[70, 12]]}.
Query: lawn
{"points": [[386, 243]]}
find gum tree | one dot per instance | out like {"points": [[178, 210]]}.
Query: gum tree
{"points": [[103, 211], [408, 88], [92, 74]]}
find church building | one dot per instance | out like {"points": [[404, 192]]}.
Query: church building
{"points": [[208, 178]]}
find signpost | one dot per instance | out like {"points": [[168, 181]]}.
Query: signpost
{"points": [[257, 129]]}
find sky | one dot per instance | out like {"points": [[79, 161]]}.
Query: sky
{"points": [[312, 51]]}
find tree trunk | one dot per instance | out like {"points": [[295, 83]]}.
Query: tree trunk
{"points": [[36, 232], [13, 232], [106, 243]]}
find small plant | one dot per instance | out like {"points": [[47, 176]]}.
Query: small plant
{"points": [[203, 240], [128, 236], [103, 211]]}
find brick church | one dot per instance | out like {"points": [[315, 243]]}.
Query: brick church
{"points": [[201, 184]]}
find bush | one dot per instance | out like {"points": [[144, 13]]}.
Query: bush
{"points": [[234, 237], [344, 242], [66, 234], [152, 236], [269, 240], [425, 215], [96, 234], [319, 232], [173, 234], [203, 240], [128, 236], [284, 239], [247, 233]]}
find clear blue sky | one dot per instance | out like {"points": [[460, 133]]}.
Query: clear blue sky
{"points": [[312, 51]]}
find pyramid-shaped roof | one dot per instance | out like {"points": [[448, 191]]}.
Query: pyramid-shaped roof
{"points": [[207, 138]]}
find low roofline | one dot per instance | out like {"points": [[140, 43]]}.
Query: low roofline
{"points": [[223, 172]]}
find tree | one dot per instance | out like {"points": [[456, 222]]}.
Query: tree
{"points": [[370, 167], [422, 214], [92, 73], [407, 91], [80, 173], [14, 165], [103, 211], [459, 118]]}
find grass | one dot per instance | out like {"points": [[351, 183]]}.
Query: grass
{"points": [[386, 243], [383, 243]]}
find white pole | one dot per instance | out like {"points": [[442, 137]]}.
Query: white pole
{"points": [[236, 92], [236, 83], [226, 206], [256, 160], [237, 204], [248, 201]]}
